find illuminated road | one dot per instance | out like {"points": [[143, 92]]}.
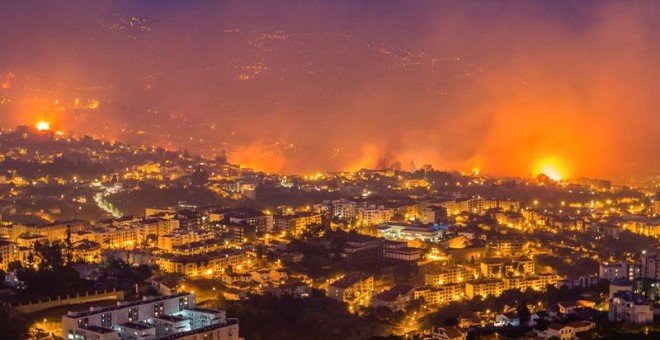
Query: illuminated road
{"points": [[102, 203]]}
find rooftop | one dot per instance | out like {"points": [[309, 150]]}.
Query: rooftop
{"points": [[452, 332], [205, 310], [556, 326], [209, 328], [137, 325], [124, 305], [394, 292], [100, 329], [171, 318]]}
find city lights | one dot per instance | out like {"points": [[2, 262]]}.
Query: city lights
{"points": [[398, 170]]}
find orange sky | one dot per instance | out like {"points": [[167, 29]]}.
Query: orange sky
{"points": [[509, 87]]}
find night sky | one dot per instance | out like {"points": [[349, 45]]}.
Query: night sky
{"points": [[511, 87]]}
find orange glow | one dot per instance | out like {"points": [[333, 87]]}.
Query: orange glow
{"points": [[43, 125], [552, 168]]}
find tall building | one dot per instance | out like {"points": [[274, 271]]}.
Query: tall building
{"points": [[651, 266], [8, 253], [343, 209], [614, 271]]}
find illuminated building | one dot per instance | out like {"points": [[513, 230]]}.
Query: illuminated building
{"points": [[52, 232], [343, 209], [181, 237], [432, 214], [197, 247], [83, 235], [266, 276], [363, 249], [240, 231], [471, 253], [29, 240], [124, 221], [263, 223], [641, 225], [372, 215], [296, 289], [411, 231], [448, 333], [614, 271], [296, 223], [535, 282], [352, 287], [394, 251], [154, 226], [479, 205], [651, 266], [509, 218], [484, 288], [8, 253], [165, 317], [87, 251], [559, 331], [395, 299], [129, 231], [533, 217], [505, 245], [438, 295], [629, 307], [201, 264], [449, 275], [492, 267], [188, 219], [236, 279], [521, 266], [115, 237]]}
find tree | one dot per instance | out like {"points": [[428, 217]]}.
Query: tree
{"points": [[199, 177], [13, 326], [541, 324], [313, 231], [14, 265], [450, 321], [68, 245], [50, 255], [524, 314]]}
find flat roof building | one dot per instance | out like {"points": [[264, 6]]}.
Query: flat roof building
{"points": [[172, 316]]}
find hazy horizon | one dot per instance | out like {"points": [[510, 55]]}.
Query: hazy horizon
{"points": [[513, 88]]}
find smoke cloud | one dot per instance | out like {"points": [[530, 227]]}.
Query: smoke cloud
{"points": [[307, 86]]}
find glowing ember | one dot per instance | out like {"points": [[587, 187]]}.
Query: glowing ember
{"points": [[551, 168], [43, 126], [552, 171]]}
